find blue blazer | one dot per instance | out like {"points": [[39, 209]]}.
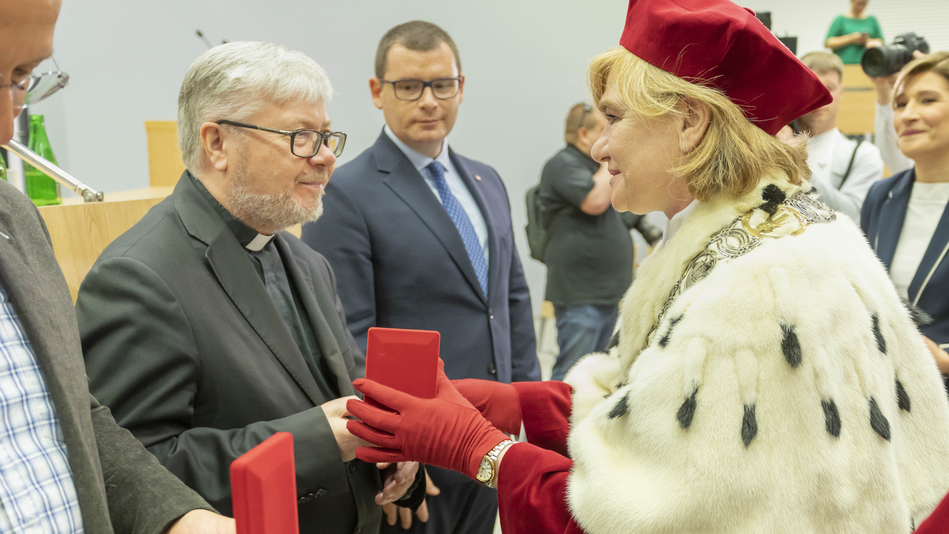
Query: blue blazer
{"points": [[400, 263], [884, 211]]}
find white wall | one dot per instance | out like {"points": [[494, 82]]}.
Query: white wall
{"points": [[524, 61]]}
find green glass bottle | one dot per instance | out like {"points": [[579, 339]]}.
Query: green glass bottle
{"points": [[3, 169], [42, 190]]}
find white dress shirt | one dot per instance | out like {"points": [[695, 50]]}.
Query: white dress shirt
{"points": [[828, 156], [455, 184]]}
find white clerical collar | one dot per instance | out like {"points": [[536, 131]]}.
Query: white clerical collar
{"points": [[419, 160], [258, 243], [676, 222]]}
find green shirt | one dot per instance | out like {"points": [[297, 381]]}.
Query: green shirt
{"points": [[842, 25]]}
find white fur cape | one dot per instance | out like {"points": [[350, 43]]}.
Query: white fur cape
{"points": [[788, 391]]}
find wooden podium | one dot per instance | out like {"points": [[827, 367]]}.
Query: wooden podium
{"points": [[858, 106], [81, 231]]}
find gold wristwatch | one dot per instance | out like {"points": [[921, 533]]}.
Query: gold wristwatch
{"points": [[488, 470]]}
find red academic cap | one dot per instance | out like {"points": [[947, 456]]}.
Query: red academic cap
{"points": [[719, 44]]}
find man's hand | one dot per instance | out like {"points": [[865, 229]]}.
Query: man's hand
{"points": [[203, 522], [404, 515], [397, 483], [941, 356], [336, 414]]}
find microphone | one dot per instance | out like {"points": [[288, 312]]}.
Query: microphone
{"points": [[203, 38]]}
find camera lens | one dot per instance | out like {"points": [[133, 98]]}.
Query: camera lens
{"points": [[885, 60]]}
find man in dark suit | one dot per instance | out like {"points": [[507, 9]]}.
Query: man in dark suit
{"points": [[421, 238], [206, 328], [67, 466]]}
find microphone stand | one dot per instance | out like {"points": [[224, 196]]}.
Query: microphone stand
{"points": [[87, 193]]}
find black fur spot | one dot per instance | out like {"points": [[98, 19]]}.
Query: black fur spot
{"points": [[621, 407], [687, 410], [749, 425], [665, 339], [791, 346], [614, 341], [901, 397], [773, 196], [878, 421], [831, 417], [919, 317], [881, 343]]}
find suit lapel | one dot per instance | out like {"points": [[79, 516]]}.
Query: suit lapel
{"points": [[240, 281], [936, 253], [893, 209], [317, 302], [406, 182], [475, 189]]}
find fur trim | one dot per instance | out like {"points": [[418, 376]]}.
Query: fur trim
{"points": [[770, 406]]}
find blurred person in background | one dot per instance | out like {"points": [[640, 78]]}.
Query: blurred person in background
{"points": [[853, 32], [589, 254], [842, 169], [906, 216], [766, 378]]}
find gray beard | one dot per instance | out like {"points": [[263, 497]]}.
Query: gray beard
{"points": [[267, 213]]}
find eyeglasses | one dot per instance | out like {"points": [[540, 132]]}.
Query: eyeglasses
{"points": [[303, 143], [36, 87], [410, 90], [587, 108]]}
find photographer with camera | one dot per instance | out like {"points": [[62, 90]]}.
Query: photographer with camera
{"points": [[854, 32], [906, 216], [883, 66]]}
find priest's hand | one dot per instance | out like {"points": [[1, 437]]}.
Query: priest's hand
{"points": [[336, 413], [396, 483], [202, 522], [394, 512]]}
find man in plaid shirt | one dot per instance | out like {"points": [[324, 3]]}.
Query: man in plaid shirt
{"points": [[58, 446]]}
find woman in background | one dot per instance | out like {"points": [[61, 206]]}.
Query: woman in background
{"points": [[906, 216], [853, 32]]}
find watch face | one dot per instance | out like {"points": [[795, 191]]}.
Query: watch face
{"points": [[485, 471]]}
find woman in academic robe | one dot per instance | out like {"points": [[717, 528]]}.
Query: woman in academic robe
{"points": [[765, 376]]}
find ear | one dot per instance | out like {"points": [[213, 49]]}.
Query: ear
{"points": [[696, 116], [213, 143], [375, 89], [461, 89]]}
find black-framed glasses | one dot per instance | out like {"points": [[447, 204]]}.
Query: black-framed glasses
{"points": [[442, 88], [303, 143], [36, 87]]}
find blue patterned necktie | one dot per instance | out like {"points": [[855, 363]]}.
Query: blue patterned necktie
{"points": [[465, 228]]}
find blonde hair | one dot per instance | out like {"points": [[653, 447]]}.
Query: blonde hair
{"points": [[821, 62], [734, 154], [937, 62]]}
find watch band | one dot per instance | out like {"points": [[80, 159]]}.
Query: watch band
{"points": [[488, 471]]}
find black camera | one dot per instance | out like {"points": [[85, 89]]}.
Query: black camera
{"points": [[887, 59]]}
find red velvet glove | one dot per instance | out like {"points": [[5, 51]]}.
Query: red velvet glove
{"points": [[497, 402], [439, 431]]}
